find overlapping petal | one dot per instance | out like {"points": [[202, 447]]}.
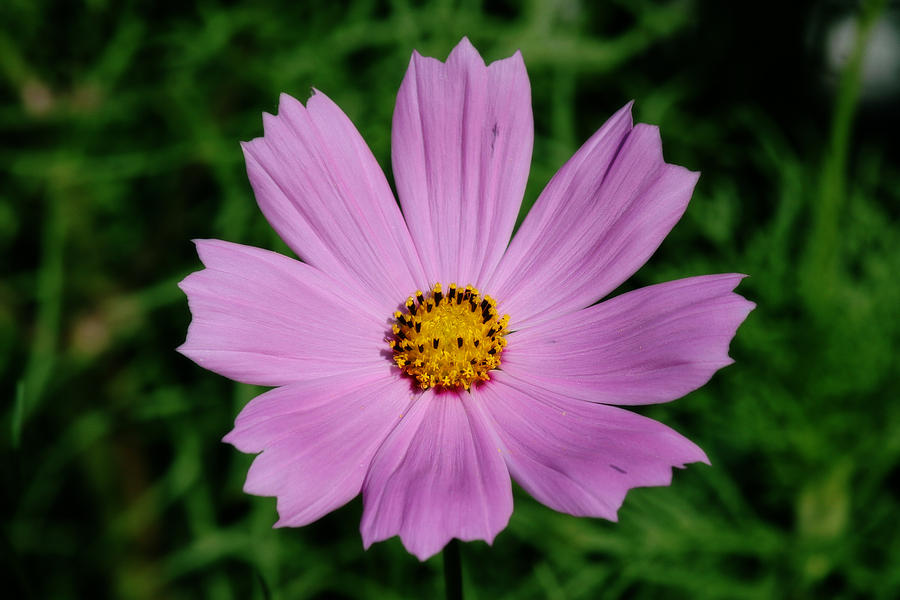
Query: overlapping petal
{"points": [[317, 438], [579, 457], [437, 476], [319, 186], [654, 344], [461, 152], [598, 220], [263, 318]]}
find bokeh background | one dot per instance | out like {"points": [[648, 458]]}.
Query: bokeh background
{"points": [[120, 124]]}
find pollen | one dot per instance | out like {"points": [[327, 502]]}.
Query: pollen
{"points": [[449, 340]]}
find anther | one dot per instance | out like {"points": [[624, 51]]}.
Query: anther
{"points": [[416, 343]]}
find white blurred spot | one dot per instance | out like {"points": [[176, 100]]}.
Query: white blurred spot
{"points": [[881, 64]]}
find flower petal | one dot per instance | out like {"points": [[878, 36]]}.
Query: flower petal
{"points": [[436, 477], [579, 457], [263, 318], [654, 344], [317, 439], [597, 221], [462, 139], [323, 192]]}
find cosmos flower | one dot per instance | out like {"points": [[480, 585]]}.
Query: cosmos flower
{"points": [[424, 359]]}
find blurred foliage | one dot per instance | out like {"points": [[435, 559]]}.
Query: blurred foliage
{"points": [[120, 123]]}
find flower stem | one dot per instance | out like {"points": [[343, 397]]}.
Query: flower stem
{"points": [[452, 571], [822, 255]]}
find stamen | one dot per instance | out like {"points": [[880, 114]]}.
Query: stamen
{"points": [[462, 315]]}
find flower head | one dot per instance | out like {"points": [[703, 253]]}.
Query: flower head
{"points": [[421, 357]]}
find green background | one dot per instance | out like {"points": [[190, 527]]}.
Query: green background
{"points": [[120, 125]]}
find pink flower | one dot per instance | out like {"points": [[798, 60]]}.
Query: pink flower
{"points": [[429, 403]]}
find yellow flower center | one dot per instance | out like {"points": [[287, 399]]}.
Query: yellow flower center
{"points": [[449, 340]]}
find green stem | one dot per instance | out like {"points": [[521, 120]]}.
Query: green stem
{"points": [[49, 284], [822, 251], [452, 571]]}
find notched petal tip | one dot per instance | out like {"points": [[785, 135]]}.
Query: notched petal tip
{"points": [[705, 459], [320, 104], [228, 438], [288, 521], [189, 350], [651, 140], [650, 136], [202, 243], [730, 281], [465, 50], [427, 551], [285, 98], [234, 439], [205, 248], [464, 53], [512, 67], [747, 305], [626, 109], [271, 123], [183, 350], [689, 452], [245, 149], [289, 104], [689, 176]]}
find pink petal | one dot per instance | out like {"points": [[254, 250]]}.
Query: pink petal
{"points": [[437, 476], [579, 457], [262, 318], [597, 221], [323, 192], [317, 439], [651, 345], [462, 139]]}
